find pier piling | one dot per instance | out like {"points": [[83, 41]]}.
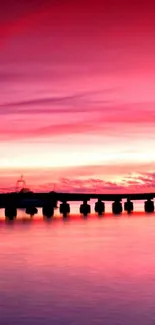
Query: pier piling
{"points": [[100, 207], [48, 211], [128, 206], [117, 207], [65, 209], [10, 212], [149, 206], [85, 208]]}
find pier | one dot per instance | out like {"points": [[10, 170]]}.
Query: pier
{"points": [[30, 201]]}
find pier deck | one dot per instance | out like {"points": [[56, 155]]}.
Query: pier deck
{"points": [[22, 200]]}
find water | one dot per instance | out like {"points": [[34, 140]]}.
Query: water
{"points": [[75, 272]]}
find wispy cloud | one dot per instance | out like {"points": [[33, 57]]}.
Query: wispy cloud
{"points": [[94, 185], [63, 180]]}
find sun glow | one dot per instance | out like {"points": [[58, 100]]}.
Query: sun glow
{"points": [[42, 158]]}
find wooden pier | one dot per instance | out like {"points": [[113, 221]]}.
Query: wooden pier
{"points": [[30, 201]]}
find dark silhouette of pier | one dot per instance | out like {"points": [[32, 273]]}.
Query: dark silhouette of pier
{"points": [[30, 201]]}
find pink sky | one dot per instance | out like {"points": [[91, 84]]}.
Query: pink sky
{"points": [[77, 94]]}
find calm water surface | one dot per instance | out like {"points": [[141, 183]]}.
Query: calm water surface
{"points": [[94, 271]]}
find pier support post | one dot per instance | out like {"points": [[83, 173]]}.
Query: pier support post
{"points": [[85, 208], [149, 206], [100, 207], [10, 212], [128, 206], [31, 211], [64, 209], [48, 211], [117, 207]]}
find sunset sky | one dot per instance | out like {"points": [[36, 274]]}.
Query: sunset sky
{"points": [[77, 94]]}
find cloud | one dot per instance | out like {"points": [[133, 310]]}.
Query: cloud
{"points": [[26, 126], [80, 186], [93, 103], [145, 179], [132, 183], [79, 97], [93, 185], [50, 179], [49, 130], [140, 184]]}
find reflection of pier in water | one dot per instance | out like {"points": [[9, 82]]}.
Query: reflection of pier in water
{"points": [[30, 201]]}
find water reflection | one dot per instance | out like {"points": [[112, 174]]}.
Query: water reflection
{"points": [[78, 271]]}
